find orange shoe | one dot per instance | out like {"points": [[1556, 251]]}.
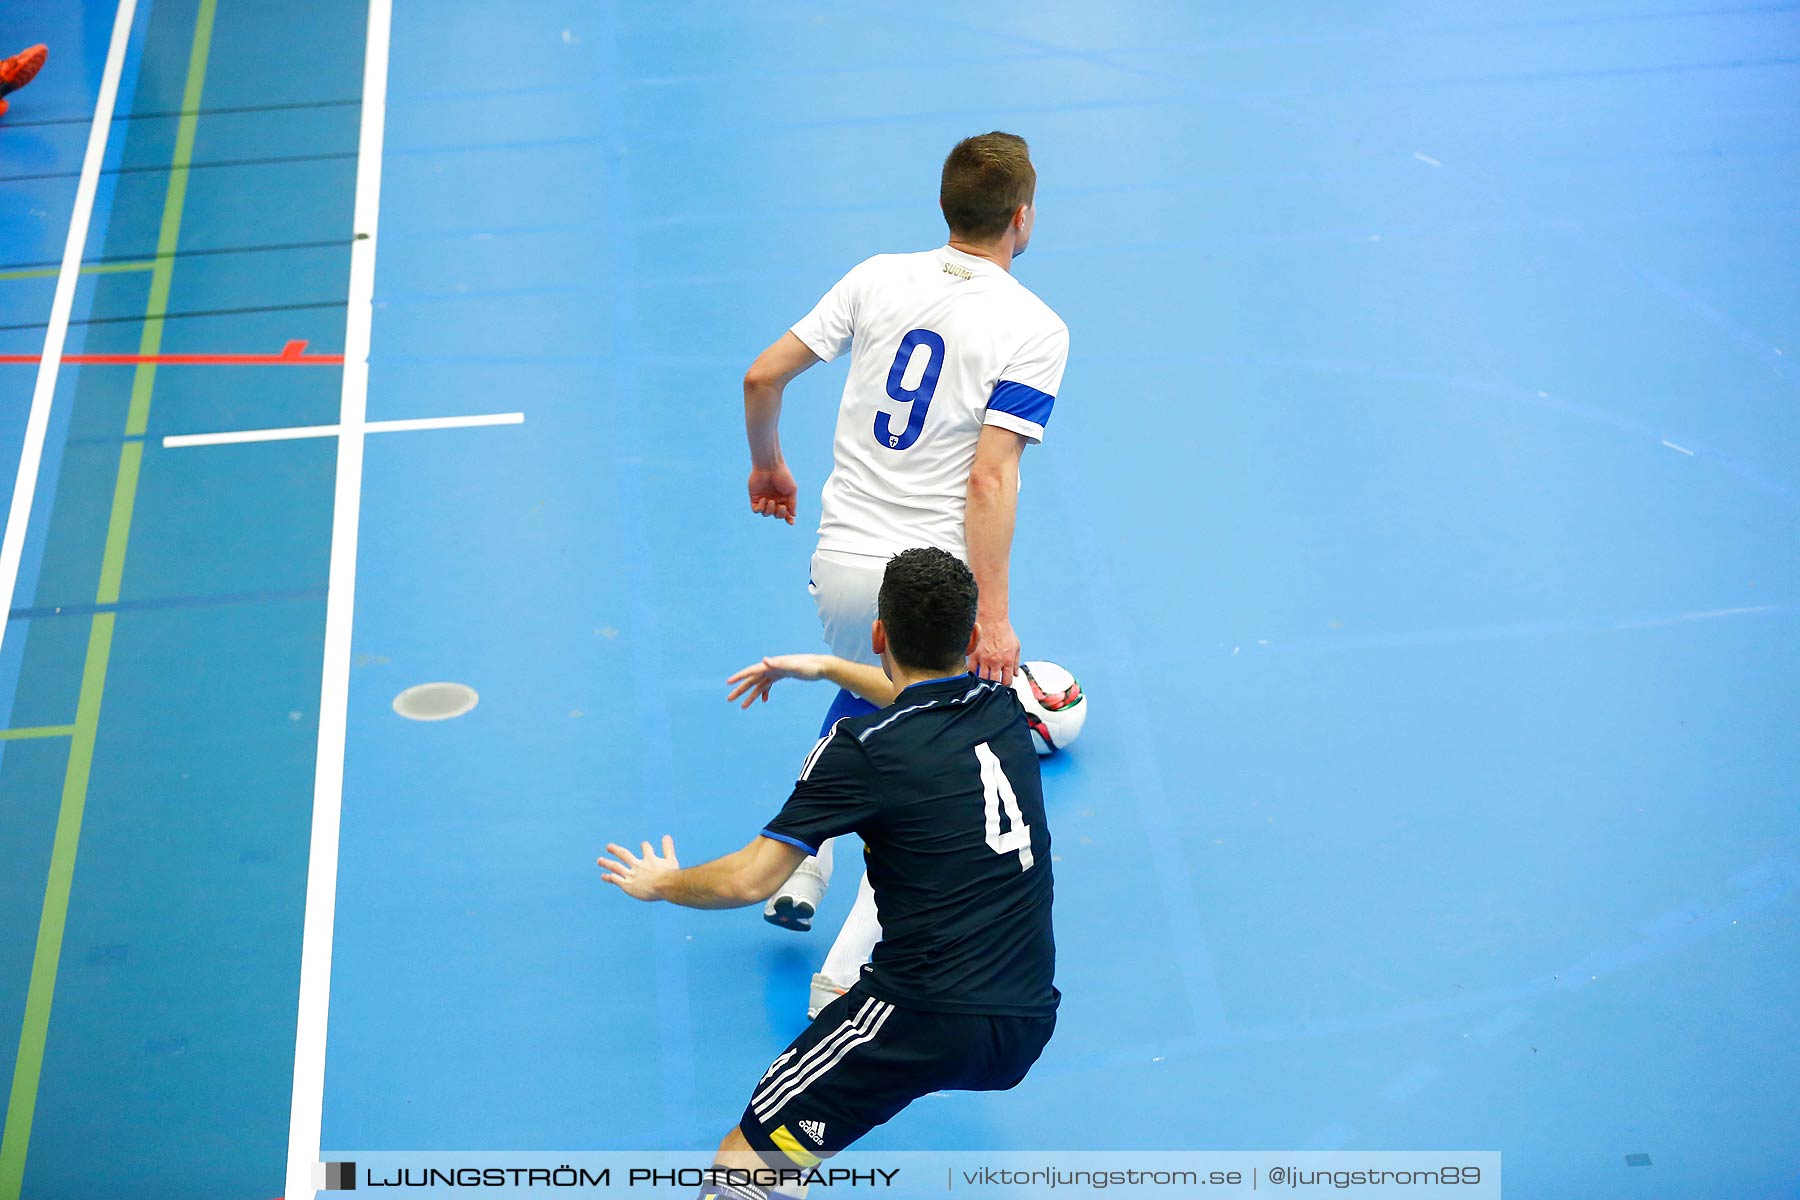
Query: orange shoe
{"points": [[21, 69]]}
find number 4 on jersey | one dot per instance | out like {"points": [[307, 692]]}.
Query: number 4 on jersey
{"points": [[998, 791]]}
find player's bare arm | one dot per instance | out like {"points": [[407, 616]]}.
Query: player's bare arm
{"points": [[748, 876], [754, 681], [993, 505], [772, 490]]}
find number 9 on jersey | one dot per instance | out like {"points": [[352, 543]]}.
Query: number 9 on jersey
{"points": [[918, 396]]}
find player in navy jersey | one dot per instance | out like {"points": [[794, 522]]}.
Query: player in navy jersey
{"points": [[942, 786]]}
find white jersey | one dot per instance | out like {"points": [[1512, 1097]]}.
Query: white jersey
{"points": [[941, 343]]}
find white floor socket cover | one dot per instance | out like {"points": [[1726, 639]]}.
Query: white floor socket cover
{"points": [[435, 701]]}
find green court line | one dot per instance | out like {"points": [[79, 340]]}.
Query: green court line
{"points": [[90, 269], [36, 731], [22, 1104], [163, 273]]}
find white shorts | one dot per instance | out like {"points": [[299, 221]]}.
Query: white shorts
{"points": [[846, 588]]}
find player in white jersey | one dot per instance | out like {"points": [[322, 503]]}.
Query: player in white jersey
{"points": [[954, 368]]}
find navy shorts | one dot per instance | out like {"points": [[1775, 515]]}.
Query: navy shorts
{"points": [[862, 1060]]}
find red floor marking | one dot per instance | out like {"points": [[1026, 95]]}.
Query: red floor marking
{"points": [[292, 355]]}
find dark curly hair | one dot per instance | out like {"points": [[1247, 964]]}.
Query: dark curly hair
{"points": [[928, 608]]}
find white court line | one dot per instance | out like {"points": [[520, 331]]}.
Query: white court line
{"points": [[37, 425], [334, 691], [177, 440]]}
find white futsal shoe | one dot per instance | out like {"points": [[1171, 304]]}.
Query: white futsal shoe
{"points": [[793, 906], [825, 989]]}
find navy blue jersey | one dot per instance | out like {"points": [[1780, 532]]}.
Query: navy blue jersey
{"points": [[942, 786]]}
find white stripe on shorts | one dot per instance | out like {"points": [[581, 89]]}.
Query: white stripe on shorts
{"points": [[822, 1046], [779, 1101]]}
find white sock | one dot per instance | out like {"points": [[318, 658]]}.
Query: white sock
{"points": [[856, 940], [822, 860]]}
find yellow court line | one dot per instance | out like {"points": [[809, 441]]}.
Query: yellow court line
{"points": [[91, 269], [37, 731]]}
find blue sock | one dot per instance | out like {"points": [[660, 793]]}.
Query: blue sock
{"points": [[846, 704]]}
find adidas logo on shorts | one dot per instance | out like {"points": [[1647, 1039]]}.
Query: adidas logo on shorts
{"points": [[814, 1130]]}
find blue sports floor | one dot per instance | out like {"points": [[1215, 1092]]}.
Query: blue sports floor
{"points": [[1421, 512]]}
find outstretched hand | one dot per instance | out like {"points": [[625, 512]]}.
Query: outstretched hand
{"points": [[774, 494], [640, 875], [755, 680]]}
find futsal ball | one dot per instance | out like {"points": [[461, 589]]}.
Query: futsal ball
{"points": [[1054, 706]]}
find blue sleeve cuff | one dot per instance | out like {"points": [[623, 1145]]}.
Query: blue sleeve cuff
{"points": [[1026, 403], [782, 837]]}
